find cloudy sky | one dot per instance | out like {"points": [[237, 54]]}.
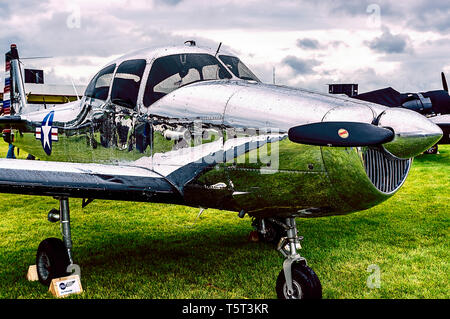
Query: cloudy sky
{"points": [[403, 44]]}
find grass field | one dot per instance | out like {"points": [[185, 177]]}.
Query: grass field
{"points": [[144, 250]]}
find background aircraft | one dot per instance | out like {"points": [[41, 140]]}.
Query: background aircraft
{"points": [[433, 104], [192, 126]]}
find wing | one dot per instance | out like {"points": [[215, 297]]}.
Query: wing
{"points": [[387, 96], [98, 181]]}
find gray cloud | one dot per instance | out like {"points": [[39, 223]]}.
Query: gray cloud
{"points": [[4, 10], [308, 44], [360, 8], [300, 66], [39, 28], [389, 43], [169, 2], [431, 16], [313, 44]]}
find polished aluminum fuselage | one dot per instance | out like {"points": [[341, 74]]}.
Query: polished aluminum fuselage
{"points": [[223, 144]]}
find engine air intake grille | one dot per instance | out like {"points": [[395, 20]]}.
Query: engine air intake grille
{"points": [[386, 174]]}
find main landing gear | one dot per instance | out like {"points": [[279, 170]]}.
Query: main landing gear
{"points": [[296, 280], [269, 230], [54, 256], [432, 150]]}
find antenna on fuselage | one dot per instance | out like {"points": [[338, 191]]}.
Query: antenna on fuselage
{"points": [[75, 89], [218, 48], [273, 75]]}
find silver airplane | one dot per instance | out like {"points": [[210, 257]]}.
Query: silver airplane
{"points": [[194, 126]]}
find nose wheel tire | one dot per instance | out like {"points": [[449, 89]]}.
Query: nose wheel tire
{"points": [[305, 284], [52, 260]]}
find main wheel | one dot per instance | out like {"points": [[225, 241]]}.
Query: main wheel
{"points": [[432, 150], [51, 260], [273, 231], [305, 283]]}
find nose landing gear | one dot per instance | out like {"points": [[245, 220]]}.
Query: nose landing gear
{"points": [[296, 280]]}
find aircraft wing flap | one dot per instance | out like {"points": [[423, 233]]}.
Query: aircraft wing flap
{"points": [[119, 182]]}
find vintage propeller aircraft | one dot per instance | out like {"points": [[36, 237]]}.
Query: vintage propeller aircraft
{"points": [[433, 104], [194, 126]]}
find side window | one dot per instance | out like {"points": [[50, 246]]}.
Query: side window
{"points": [[126, 82], [99, 86], [173, 71], [238, 68]]}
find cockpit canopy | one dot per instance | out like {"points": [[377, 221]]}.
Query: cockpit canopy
{"points": [[173, 71], [123, 80]]}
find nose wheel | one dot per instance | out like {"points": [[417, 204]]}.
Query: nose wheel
{"points": [[296, 280], [305, 284]]}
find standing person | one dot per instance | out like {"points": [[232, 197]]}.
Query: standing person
{"points": [[10, 153]]}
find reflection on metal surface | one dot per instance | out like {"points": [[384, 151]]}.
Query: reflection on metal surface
{"points": [[98, 134], [413, 132]]}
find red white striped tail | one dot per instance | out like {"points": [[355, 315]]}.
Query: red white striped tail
{"points": [[6, 110]]}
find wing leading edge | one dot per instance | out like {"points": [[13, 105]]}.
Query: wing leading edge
{"points": [[97, 181]]}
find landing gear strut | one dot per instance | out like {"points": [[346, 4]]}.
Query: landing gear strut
{"points": [[270, 230], [296, 280], [54, 256]]}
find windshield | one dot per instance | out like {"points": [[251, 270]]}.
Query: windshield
{"points": [[173, 71], [99, 86], [238, 68], [126, 82]]}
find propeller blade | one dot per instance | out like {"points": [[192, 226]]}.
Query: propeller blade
{"points": [[349, 134], [444, 82]]}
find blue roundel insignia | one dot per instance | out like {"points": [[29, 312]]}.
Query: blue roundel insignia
{"points": [[46, 133]]}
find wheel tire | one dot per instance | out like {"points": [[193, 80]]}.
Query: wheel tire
{"points": [[51, 260], [305, 282], [432, 150]]}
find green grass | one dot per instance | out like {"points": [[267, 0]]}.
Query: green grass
{"points": [[145, 250]]}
